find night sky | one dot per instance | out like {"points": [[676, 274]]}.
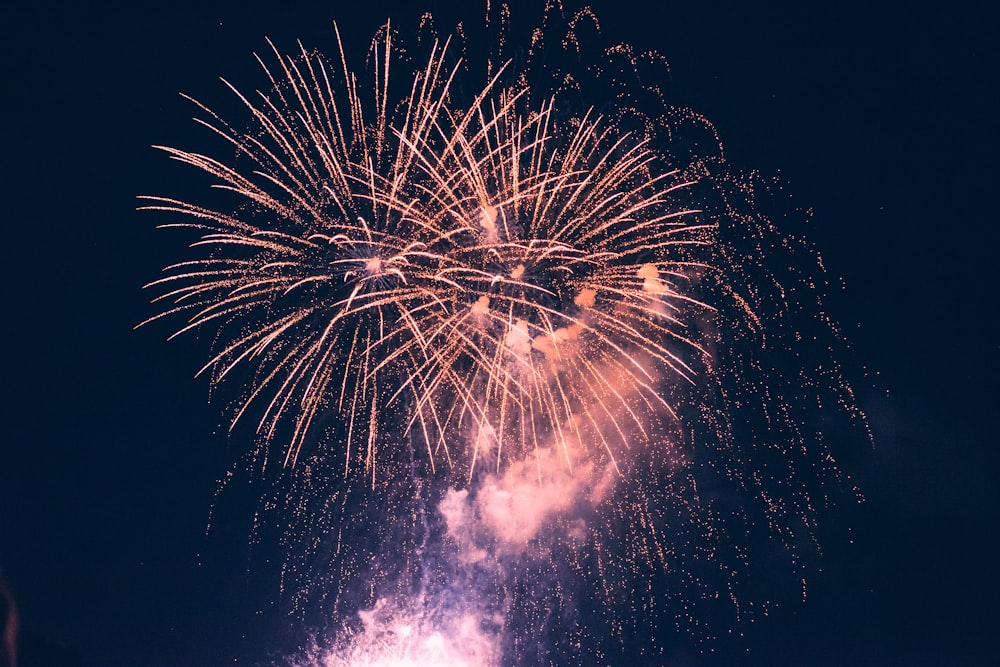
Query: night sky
{"points": [[882, 121]]}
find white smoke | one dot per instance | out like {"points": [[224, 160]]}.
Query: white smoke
{"points": [[518, 341], [417, 634], [488, 221], [506, 513], [654, 285]]}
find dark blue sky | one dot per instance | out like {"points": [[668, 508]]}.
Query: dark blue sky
{"points": [[883, 121]]}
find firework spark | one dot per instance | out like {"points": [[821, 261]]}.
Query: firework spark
{"points": [[568, 308]]}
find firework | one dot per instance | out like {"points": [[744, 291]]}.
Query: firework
{"points": [[494, 269], [527, 322]]}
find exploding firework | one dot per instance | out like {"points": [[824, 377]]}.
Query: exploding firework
{"points": [[471, 306], [493, 270]]}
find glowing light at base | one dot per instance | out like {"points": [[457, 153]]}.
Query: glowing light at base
{"points": [[392, 637]]}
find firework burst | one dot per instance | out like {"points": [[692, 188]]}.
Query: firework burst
{"points": [[567, 310], [493, 268]]}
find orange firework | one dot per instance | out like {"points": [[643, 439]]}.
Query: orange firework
{"points": [[500, 273], [543, 323]]}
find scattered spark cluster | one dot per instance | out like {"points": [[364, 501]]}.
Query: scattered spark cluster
{"points": [[511, 325]]}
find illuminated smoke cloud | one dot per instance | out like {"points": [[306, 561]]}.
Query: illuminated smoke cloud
{"points": [[509, 509], [420, 634]]}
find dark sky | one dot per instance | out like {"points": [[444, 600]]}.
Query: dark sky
{"points": [[883, 121]]}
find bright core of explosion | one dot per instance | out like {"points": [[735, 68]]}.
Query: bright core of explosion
{"points": [[394, 637]]}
